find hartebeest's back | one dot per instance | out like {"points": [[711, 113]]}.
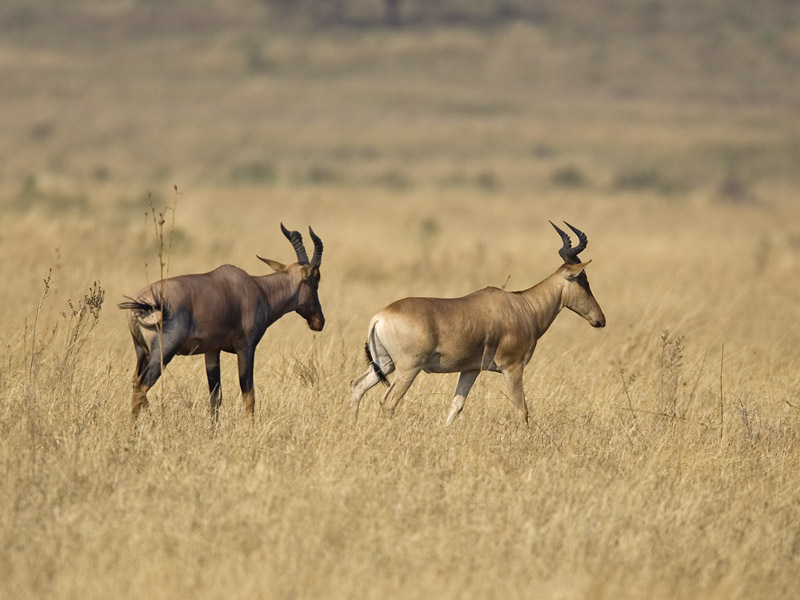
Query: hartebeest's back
{"points": [[488, 330]]}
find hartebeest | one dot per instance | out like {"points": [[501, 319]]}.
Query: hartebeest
{"points": [[488, 330], [225, 310]]}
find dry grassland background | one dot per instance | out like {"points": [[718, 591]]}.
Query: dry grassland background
{"points": [[662, 457]]}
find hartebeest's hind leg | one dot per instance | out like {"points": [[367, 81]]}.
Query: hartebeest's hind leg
{"points": [[359, 387], [516, 393], [246, 358], [398, 389], [465, 381], [365, 383], [214, 385]]}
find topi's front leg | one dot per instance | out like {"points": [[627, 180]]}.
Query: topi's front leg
{"points": [[214, 386], [246, 359]]}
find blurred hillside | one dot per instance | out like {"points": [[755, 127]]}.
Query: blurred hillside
{"points": [[618, 94]]}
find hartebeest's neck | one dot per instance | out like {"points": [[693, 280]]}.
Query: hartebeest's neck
{"points": [[280, 292], [545, 300]]}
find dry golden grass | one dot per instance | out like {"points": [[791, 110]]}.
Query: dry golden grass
{"points": [[662, 458]]}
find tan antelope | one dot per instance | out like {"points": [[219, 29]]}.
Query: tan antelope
{"points": [[488, 330], [225, 310]]}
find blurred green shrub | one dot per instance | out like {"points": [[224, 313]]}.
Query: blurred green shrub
{"points": [[259, 173], [569, 176]]}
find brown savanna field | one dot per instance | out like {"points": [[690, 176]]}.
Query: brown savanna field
{"points": [[663, 455]]}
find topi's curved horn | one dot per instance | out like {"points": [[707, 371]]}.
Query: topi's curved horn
{"points": [[297, 242], [317, 258], [567, 252]]}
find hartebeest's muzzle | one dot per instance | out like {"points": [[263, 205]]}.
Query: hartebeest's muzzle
{"points": [[596, 318]]}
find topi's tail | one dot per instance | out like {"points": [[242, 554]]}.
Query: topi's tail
{"points": [[149, 314], [139, 305]]}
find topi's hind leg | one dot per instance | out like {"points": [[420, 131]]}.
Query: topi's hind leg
{"points": [[148, 374], [138, 400], [139, 396]]}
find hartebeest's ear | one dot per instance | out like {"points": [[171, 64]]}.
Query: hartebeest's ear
{"points": [[572, 270], [274, 264]]}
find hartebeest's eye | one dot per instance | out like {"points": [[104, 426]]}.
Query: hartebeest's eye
{"points": [[583, 281]]}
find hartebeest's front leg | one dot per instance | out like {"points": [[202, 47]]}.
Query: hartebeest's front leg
{"points": [[214, 385], [513, 377], [465, 381], [246, 358]]}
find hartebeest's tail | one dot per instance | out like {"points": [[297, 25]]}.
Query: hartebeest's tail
{"points": [[372, 362]]}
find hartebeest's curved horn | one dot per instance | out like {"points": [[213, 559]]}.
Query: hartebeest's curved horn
{"points": [[582, 239], [567, 252], [297, 242], [317, 258]]}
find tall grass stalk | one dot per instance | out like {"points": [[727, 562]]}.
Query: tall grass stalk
{"points": [[159, 220]]}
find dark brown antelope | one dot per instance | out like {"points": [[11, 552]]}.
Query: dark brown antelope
{"points": [[488, 330], [225, 310]]}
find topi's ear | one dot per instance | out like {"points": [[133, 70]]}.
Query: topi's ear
{"points": [[274, 264], [309, 271], [573, 270]]}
